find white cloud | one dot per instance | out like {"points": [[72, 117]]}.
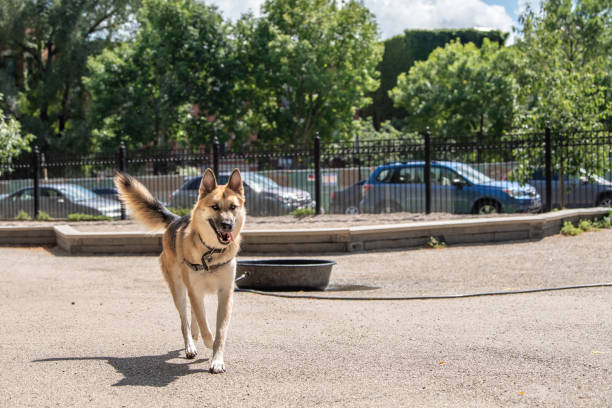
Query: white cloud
{"points": [[395, 16]]}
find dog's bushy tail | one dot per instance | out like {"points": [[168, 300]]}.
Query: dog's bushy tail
{"points": [[143, 206]]}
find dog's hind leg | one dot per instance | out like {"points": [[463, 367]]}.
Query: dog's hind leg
{"points": [[195, 328]]}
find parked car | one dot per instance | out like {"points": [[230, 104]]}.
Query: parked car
{"points": [[455, 188], [346, 201], [583, 191], [59, 200], [263, 195], [110, 193]]}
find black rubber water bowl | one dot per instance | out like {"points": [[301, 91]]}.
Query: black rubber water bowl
{"points": [[284, 274]]}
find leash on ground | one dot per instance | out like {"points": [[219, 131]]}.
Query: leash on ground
{"points": [[422, 297]]}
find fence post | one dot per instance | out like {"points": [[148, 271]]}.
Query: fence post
{"points": [[427, 174], [317, 164], [36, 168], [216, 157], [122, 169], [548, 168]]}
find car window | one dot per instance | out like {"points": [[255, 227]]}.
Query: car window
{"points": [[442, 176], [193, 184], [385, 175], [410, 175], [27, 194]]}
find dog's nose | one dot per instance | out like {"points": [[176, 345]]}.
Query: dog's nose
{"points": [[226, 226]]}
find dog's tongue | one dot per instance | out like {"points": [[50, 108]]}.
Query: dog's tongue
{"points": [[231, 236]]}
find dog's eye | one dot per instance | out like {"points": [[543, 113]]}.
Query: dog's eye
{"points": [[232, 207], [216, 207]]}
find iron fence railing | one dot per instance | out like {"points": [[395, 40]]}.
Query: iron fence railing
{"points": [[535, 171]]}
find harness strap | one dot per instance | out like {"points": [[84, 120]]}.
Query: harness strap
{"points": [[207, 258]]}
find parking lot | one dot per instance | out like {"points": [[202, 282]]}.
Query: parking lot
{"points": [[103, 331]]}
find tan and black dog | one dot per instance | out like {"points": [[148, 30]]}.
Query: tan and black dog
{"points": [[199, 252]]}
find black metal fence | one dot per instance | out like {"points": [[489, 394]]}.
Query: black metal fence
{"points": [[518, 172]]}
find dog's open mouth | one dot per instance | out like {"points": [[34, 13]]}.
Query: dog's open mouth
{"points": [[224, 237]]}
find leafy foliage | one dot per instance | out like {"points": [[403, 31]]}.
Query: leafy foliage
{"points": [[310, 65], [403, 51], [53, 39], [13, 142], [564, 75], [457, 92], [169, 83]]}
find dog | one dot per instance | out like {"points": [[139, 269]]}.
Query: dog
{"points": [[199, 252]]}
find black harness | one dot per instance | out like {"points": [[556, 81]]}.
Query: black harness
{"points": [[207, 258]]}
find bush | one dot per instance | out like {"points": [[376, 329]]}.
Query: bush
{"points": [[87, 217], [303, 212], [22, 216], [586, 225], [43, 216], [434, 243], [569, 229], [605, 222]]}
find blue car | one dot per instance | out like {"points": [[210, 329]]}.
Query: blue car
{"points": [[455, 188]]}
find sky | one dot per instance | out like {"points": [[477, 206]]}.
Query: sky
{"points": [[395, 16]]}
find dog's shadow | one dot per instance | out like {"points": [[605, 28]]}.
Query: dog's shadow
{"points": [[149, 371]]}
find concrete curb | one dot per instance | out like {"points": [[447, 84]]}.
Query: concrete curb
{"points": [[323, 240]]}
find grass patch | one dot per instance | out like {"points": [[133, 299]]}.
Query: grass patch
{"points": [[569, 229], [179, 211], [43, 216], [87, 217], [434, 243], [23, 216], [303, 212]]}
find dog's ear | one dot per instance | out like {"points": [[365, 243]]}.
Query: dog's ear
{"points": [[208, 184], [235, 182]]}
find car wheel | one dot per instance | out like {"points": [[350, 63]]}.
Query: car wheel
{"points": [[606, 201], [351, 210], [487, 207]]}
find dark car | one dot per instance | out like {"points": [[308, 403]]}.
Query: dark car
{"points": [[59, 200], [263, 195], [455, 188], [583, 191], [346, 201]]}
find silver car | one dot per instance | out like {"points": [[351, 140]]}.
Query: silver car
{"points": [[59, 200], [263, 195]]}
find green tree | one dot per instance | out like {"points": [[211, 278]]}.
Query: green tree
{"points": [[173, 81], [400, 54], [565, 77], [12, 141], [52, 40], [458, 91], [309, 66]]}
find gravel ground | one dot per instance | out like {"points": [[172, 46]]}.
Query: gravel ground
{"points": [[102, 331]]}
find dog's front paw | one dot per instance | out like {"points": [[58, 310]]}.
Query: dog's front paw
{"points": [[191, 351], [217, 367]]}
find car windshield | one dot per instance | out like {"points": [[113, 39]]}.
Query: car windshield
{"points": [[76, 193], [259, 182], [472, 174]]}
